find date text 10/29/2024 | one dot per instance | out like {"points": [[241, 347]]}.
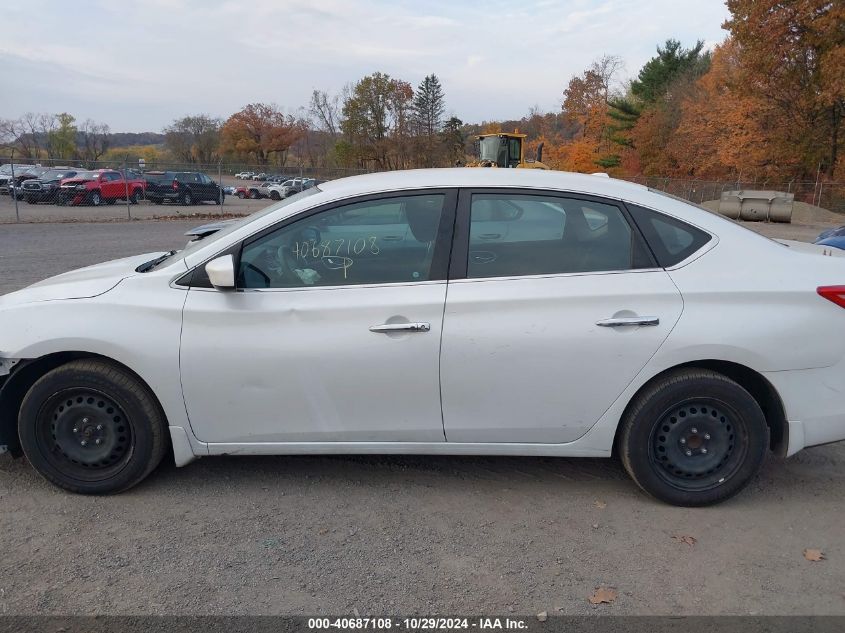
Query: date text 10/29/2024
{"points": [[418, 623]]}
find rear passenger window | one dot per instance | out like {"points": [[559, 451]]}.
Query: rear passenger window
{"points": [[670, 239], [517, 235]]}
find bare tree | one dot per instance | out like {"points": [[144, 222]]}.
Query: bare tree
{"points": [[95, 139]]}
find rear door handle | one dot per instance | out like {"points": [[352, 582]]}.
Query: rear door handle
{"points": [[489, 236], [386, 328], [392, 238], [628, 321]]}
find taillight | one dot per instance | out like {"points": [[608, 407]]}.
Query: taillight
{"points": [[833, 293], [175, 184]]}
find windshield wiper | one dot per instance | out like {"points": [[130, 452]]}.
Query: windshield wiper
{"points": [[148, 266]]}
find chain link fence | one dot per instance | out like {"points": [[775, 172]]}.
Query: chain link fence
{"points": [[239, 189], [828, 195]]}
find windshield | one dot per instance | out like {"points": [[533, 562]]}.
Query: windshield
{"points": [[85, 175], [55, 174], [6, 169], [234, 226], [494, 149]]}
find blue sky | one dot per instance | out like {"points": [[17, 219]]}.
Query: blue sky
{"points": [[137, 65]]}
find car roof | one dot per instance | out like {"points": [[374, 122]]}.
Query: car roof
{"points": [[481, 177]]}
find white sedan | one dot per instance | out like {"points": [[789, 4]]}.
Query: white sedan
{"points": [[459, 312]]}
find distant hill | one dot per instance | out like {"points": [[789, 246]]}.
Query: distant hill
{"points": [[126, 139]]}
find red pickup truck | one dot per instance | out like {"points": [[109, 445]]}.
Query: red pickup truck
{"points": [[102, 186]]}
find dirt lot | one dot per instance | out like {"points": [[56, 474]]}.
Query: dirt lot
{"points": [[402, 534]]}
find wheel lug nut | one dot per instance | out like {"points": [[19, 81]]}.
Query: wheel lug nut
{"points": [[704, 451], [100, 428], [706, 436], [84, 420], [98, 441], [689, 453], [75, 430], [694, 430], [683, 440], [84, 443]]}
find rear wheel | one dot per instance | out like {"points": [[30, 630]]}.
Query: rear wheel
{"points": [[275, 195], [241, 195], [187, 199], [253, 194], [135, 196], [694, 438], [90, 427]]}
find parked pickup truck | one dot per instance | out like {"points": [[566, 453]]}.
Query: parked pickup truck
{"points": [[46, 187], [184, 187], [103, 186]]}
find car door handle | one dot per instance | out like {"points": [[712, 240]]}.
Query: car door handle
{"points": [[627, 321], [392, 238], [386, 328], [489, 236]]}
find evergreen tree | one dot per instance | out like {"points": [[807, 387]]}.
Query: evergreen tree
{"points": [[428, 107]]}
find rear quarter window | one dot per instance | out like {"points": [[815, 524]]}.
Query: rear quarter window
{"points": [[671, 240]]}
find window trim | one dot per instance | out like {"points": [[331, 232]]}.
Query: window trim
{"points": [[442, 246], [460, 249]]}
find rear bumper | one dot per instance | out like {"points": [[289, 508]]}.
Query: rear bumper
{"points": [[814, 400]]}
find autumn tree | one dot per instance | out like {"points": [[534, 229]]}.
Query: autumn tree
{"points": [[793, 55], [194, 139], [586, 99], [376, 121], [260, 131]]}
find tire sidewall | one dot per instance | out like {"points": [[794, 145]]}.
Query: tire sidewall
{"points": [[746, 415], [138, 416]]}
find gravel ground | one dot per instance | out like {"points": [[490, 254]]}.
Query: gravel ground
{"points": [[401, 535]]}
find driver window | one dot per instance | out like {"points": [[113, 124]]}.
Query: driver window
{"points": [[390, 240]]}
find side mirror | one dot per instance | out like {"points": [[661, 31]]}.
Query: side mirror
{"points": [[221, 272]]}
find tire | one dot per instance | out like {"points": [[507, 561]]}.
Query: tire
{"points": [[30, 200], [241, 195], [254, 195], [693, 438], [187, 199], [91, 427], [95, 198], [275, 195], [135, 196]]}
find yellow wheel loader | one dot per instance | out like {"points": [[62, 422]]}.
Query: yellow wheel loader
{"points": [[506, 150]]}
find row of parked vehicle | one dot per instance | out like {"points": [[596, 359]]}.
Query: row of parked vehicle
{"points": [[75, 185], [66, 185], [275, 189]]}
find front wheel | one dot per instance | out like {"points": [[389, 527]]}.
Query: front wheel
{"points": [[91, 427], [95, 198], [693, 438]]}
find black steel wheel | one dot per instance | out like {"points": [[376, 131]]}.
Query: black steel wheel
{"points": [[693, 438], [187, 199], [92, 427]]}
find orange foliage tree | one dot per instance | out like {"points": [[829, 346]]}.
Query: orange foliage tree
{"points": [[260, 130]]}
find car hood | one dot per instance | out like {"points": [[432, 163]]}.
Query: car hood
{"points": [[81, 283]]}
